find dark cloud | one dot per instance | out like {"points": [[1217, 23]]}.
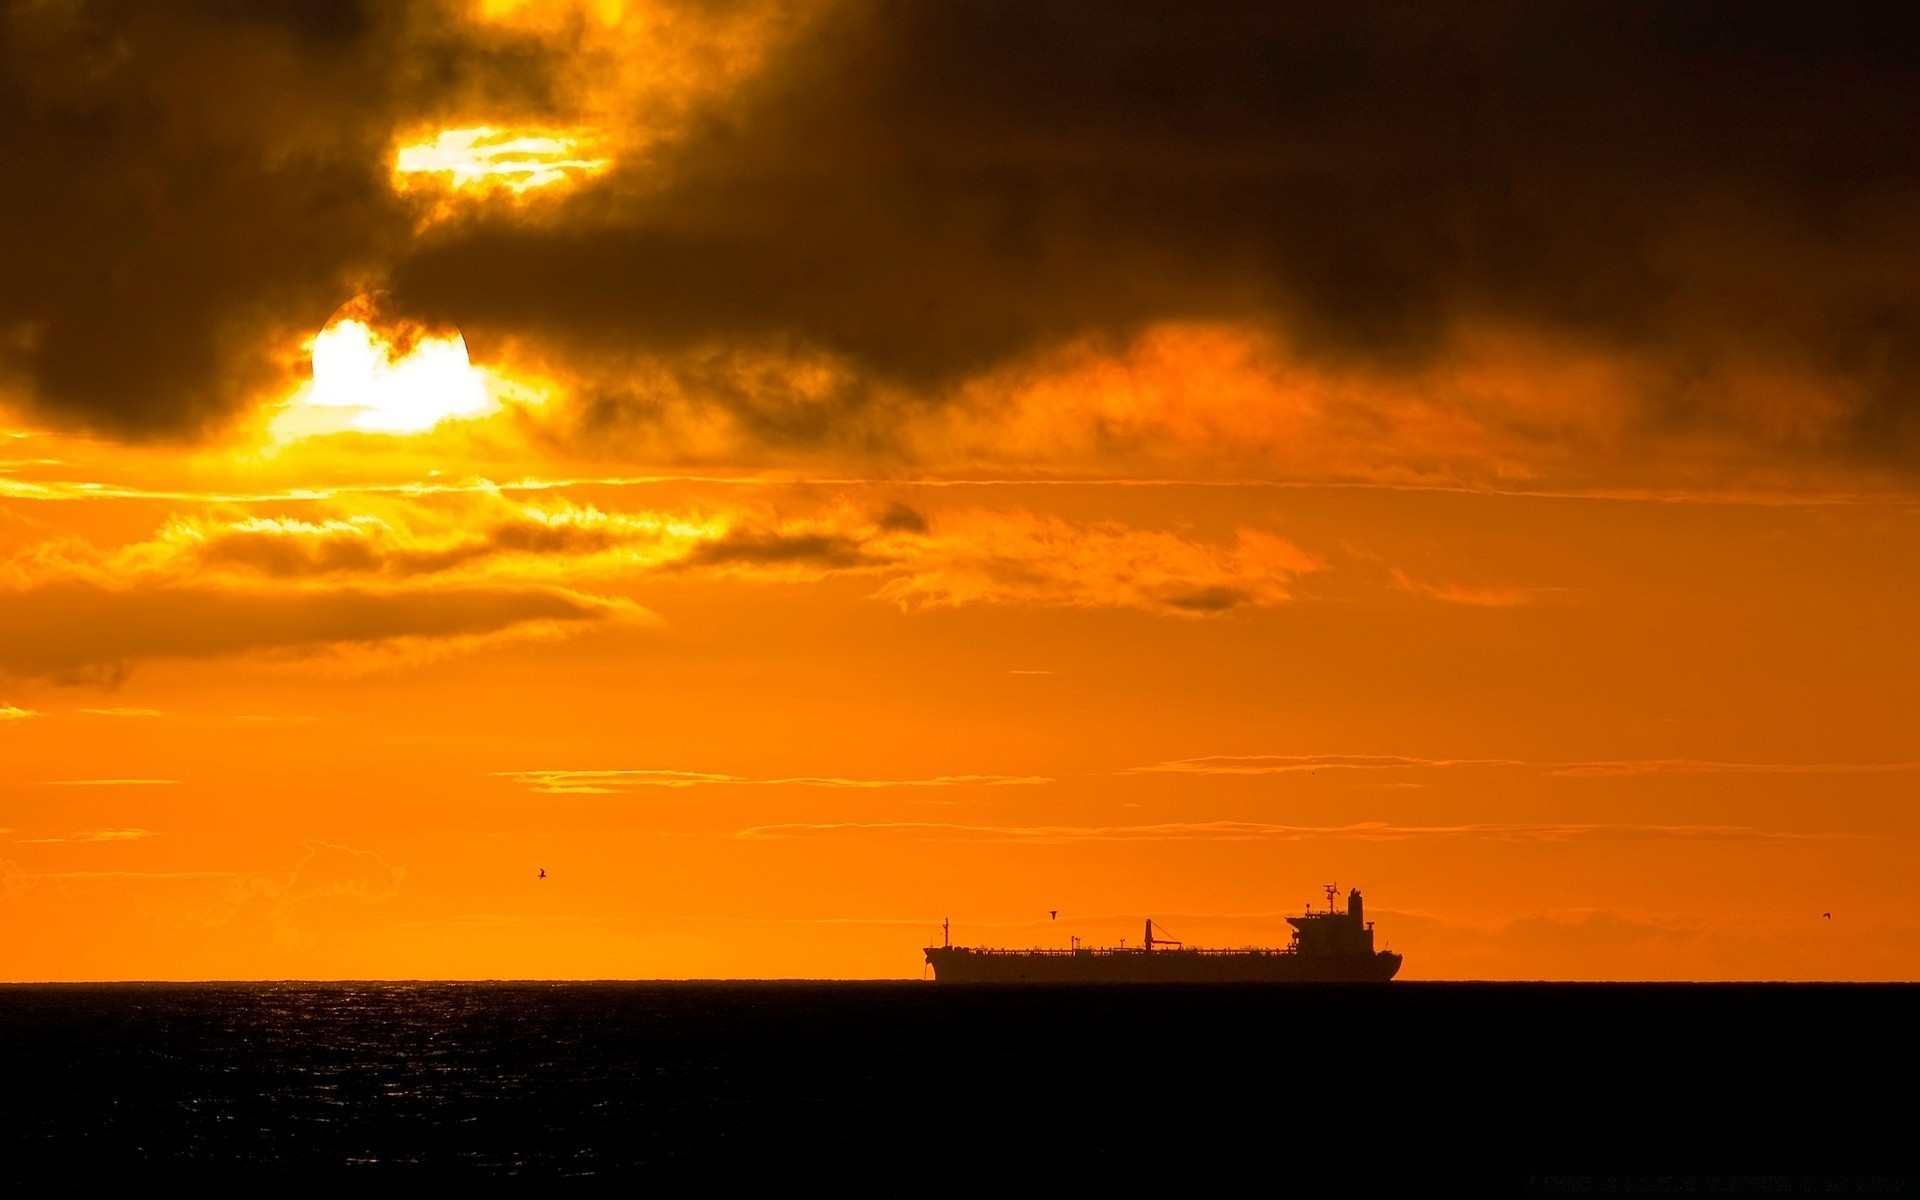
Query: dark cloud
{"points": [[296, 550], [269, 550], [928, 190], [753, 547], [1208, 600], [899, 518], [81, 633], [924, 191], [189, 184]]}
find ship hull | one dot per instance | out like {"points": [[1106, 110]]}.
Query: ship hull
{"points": [[959, 964]]}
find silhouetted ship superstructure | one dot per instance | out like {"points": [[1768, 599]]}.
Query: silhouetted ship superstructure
{"points": [[1327, 947]]}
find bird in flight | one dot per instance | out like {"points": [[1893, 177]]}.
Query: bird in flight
{"points": [[543, 872], [1053, 914], [1826, 916]]}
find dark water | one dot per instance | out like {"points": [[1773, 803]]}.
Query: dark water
{"points": [[911, 1088]]}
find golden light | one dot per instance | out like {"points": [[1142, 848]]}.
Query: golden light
{"points": [[486, 159], [373, 373]]}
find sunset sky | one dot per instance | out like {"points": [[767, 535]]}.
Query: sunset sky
{"points": [[798, 472]]}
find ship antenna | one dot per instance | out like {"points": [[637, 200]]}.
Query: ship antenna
{"points": [[1333, 890], [946, 932]]}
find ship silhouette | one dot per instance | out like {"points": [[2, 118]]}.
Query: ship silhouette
{"points": [[1327, 947]]}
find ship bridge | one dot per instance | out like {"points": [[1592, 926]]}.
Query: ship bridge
{"points": [[1333, 931]]}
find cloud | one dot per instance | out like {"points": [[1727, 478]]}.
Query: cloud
{"points": [[197, 186], [964, 557], [199, 924], [1240, 831], [9, 713], [760, 549], [1236, 401], [128, 875], [1688, 766], [121, 712], [903, 519], [108, 782], [409, 542], [1594, 929], [193, 181], [329, 883], [474, 534], [1286, 764], [72, 631], [1425, 206], [1022, 558], [165, 265], [1454, 593], [1623, 944], [1467, 245], [98, 835], [610, 781], [329, 871]]}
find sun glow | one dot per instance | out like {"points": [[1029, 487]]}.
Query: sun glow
{"points": [[384, 378], [485, 159]]}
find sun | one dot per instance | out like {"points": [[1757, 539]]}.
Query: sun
{"points": [[377, 372]]}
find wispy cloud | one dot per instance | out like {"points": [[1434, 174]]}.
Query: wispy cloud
{"points": [[96, 835], [516, 920], [1482, 596], [1690, 766], [1017, 558], [108, 782], [1285, 764], [9, 713], [888, 922], [1826, 495], [330, 871], [1240, 831], [121, 712], [132, 875], [604, 782]]}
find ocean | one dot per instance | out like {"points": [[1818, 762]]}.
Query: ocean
{"points": [[916, 1088]]}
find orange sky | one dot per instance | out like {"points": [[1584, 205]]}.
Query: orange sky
{"points": [[777, 623]]}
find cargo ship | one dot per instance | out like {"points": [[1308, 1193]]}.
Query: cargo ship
{"points": [[1327, 947]]}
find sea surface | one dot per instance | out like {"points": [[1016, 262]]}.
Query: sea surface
{"points": [[917, 1088]]}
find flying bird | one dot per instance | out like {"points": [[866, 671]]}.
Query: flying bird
{"points": [[1053, 914], [1826, 916], [543, 872]]}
